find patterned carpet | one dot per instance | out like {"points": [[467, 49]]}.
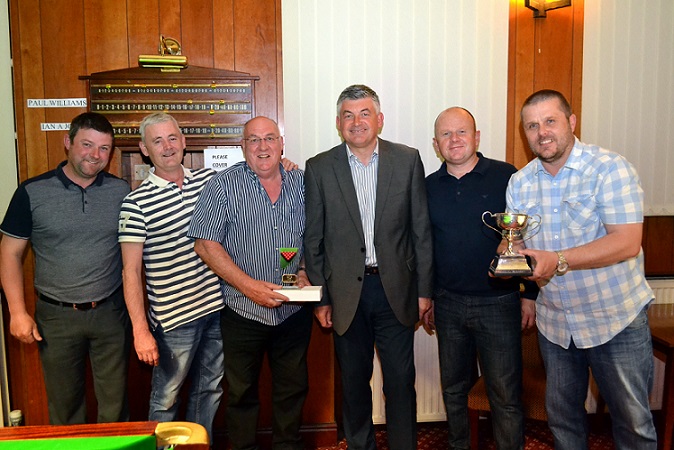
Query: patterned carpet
{"points": [[433, 436]]}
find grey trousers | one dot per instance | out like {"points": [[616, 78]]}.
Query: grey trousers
{"points": [[102, 334]]}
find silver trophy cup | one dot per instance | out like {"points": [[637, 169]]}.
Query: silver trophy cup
{"points": [[512, 227]]}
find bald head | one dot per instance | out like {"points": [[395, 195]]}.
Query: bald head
{"points": [[454, 111]]}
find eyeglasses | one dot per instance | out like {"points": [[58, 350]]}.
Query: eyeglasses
{"points": [[255, 141]]}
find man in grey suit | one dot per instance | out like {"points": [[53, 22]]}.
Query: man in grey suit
{"points": [[368, 243]]}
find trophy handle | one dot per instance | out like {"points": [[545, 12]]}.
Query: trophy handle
{"points": [[493, 228], [533, 227]]}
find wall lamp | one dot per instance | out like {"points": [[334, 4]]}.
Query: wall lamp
{"points": [[541, 6]]}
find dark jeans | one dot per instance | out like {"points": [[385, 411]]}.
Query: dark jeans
{"points": [[490, 326], [69, 336], [376, 324], [245, 343]]}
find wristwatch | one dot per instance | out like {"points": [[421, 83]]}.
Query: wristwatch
{"points": [[562, 264]]}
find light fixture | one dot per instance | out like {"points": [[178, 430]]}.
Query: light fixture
{"points": [[541, 6]]}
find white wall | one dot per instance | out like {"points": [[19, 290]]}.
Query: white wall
{"points": [[628, 89], [420, 56], [8, 171]]}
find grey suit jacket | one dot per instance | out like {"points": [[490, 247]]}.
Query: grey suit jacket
{"points": [[334, 244]]}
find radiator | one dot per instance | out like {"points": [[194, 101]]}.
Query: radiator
{"points": [[663, 288], [430, 407]]}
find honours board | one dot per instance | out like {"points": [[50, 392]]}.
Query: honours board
{"points": [[210, 105]]}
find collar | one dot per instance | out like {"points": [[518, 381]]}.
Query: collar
{"points": [[248, 171], [352, 156], [481, 167], [161, 182], [572, 162], [67, 182]]}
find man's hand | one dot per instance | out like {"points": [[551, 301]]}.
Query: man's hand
{"points": [[288, 165], [302, 279], [426, 314], [24, 328], [545, 264], [528, 313], [324, 315], [262, 293], [146, 347]]}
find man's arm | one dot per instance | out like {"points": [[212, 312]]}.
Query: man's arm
{"points": [[21, 324], [620, 243], [143, 341], [422, 237], [217, 258]]}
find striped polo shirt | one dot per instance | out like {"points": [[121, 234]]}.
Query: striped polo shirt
{"points": [[180, 286], [235, 210], [73, 233]]}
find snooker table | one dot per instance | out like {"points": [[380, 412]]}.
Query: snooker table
{"points": [[106, 436]]}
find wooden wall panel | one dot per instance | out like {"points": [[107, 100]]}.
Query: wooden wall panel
{"points": [[223, 33], [142, 18], [32, 86], [658, 245], [170, 18], [254, 31], [544, 53], [197, 32], [106, 31]]}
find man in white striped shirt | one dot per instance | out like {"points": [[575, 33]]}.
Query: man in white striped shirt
{"points": [[183, 334]]}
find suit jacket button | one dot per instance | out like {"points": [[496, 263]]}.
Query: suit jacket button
{"points": [[360, 278], [362, 250]]}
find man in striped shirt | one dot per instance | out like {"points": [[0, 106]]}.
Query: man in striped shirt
{"points": [[248, 218], [180, 335]]}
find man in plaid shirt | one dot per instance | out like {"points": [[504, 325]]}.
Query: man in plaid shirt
{"points": [[591, 309]]}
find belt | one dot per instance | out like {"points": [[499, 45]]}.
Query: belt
{"points": [[78, 306], [373, 270]]}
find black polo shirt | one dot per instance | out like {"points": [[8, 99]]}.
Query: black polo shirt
{"points": [[463, 246]]}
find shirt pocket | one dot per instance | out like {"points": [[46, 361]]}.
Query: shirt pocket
{"points": [[579, 212]]}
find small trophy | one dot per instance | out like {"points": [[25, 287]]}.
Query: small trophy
{"points": [[512, 227], [288, 280]]}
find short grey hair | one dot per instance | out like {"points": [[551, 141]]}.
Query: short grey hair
{"points": [[154, 119], [356, 92]]}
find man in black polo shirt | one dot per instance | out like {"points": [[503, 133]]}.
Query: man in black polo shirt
{"points": [[473, 311], [69, 215]]}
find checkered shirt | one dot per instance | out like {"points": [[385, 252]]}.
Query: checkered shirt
{"points": [[595, 187]]}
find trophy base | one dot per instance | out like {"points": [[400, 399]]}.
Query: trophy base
{"points": [[511, 266], [306, 294]]}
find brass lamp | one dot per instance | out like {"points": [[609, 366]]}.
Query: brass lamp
{"points": [[541, 6]]}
